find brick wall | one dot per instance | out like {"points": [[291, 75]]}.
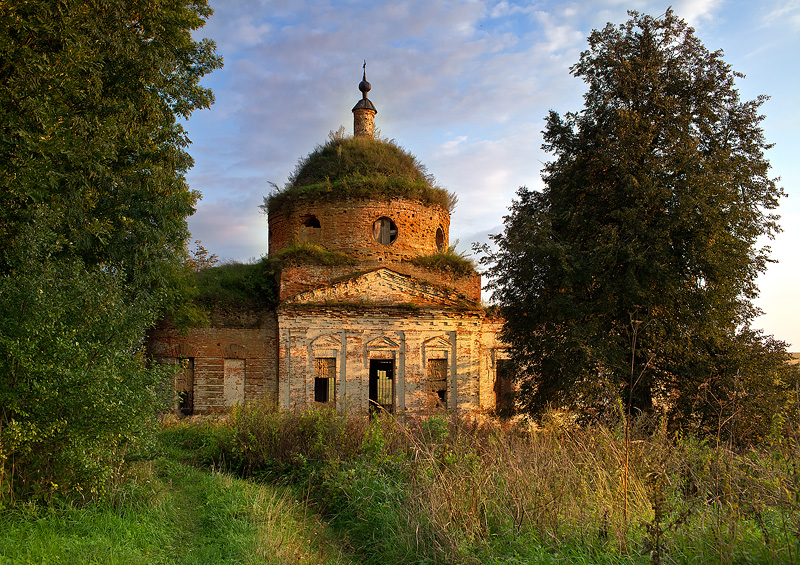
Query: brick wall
{"points": [[364, 122], [209, 348], [356, 336], [279, 364], [299, 278], [348, 226]]}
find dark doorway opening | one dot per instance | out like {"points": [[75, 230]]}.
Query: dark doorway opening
{"points": [[381, 385], [184, 386], [504, 388]]}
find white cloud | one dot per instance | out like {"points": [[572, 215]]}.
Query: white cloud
{"points": [[505, 9], [448, 147], [783, 12], [695, 11], [230, 230], [463, 84]]}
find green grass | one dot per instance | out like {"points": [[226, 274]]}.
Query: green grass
{"points": [[166, 511], [266, 486], [357, 168], [448, 261], [301, 253]]}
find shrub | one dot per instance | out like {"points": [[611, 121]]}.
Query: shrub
{"points": [[244, 285], [75, 390], [270, 442]]}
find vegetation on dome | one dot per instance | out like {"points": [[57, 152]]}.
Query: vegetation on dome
{"points": [[359, 168], [449, 261], [302, 253]]}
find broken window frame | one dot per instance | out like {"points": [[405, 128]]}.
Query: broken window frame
{"points": [[384, 230], [381, 385], [310, 230], [437, 382], [324, 379], [504, 390], [184, 392]]}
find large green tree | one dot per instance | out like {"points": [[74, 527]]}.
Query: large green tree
{"points": [[90, 107], [630, 277], [93, 208]]}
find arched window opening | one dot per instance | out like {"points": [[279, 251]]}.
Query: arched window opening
{"points": [[312, 222], [440, 239]]}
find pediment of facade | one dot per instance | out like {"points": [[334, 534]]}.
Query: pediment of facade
{"points": [[381, 287], [382, 342], [326, 342], [437, 343]]}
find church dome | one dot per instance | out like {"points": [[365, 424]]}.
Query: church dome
{"points": [[366, 198], [356, 168], [357, 159]]}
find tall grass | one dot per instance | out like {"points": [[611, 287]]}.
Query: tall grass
{"points": [[452, 490], [327, 487], [167, 511]]}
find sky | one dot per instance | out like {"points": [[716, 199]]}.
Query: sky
{"points": [[465, 86]]}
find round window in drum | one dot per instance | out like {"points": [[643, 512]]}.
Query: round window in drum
{"points": [[384, 231]]}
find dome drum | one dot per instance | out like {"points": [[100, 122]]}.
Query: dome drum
{"points": [[368, 230]]}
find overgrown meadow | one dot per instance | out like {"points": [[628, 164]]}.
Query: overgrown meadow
{"points": [[449, 489]]}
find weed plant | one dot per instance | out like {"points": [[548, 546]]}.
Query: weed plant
{"points": [[448, 261], [452, 490]]}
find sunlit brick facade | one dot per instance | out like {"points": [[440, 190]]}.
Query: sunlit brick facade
{"points": [[377, 333]]}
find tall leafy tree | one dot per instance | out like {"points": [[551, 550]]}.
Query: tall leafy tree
{"points": [[630, 277], [90, 107], [93, 208]]}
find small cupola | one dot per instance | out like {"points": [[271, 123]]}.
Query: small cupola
{"points": [[364, 111]]}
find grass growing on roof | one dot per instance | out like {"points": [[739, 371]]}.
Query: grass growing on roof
{"points": [[358, 168], [449, 260], [311, 253]]}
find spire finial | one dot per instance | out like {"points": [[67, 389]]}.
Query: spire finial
{"points": [[364, 86], [364, 111]]}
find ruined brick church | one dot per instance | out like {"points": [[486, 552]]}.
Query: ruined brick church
{"points": [[375, 328]]}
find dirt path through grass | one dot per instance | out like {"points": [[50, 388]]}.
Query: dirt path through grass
{"points": [[175, 514]]}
